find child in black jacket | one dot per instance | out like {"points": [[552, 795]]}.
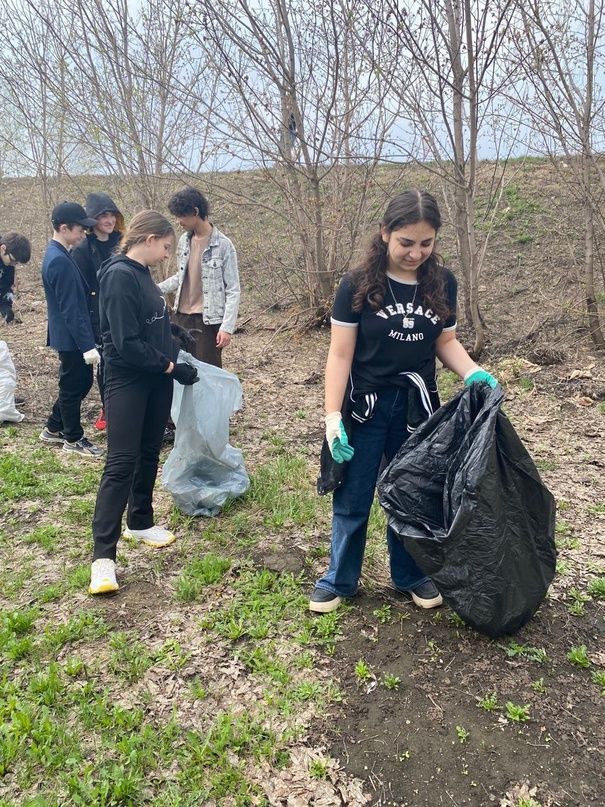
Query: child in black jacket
{"points": [[99, 245], [140, 366], [14, 249]]}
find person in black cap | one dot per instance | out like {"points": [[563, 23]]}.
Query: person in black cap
{"points": [[69, 330], [98, 246]]}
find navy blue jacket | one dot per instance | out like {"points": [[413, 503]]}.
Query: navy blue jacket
{"points": [[69, 325]]}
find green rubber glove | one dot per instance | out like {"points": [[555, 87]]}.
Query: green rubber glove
{"points": [[337, 439], [478, 375]]}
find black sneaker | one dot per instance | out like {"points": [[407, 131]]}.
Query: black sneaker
{"points": [[169, 433], [322, 601], [51, 437], [84, 448], [19, 401], [426, 595]]}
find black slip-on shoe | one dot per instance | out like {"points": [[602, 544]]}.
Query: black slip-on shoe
{"points": [[426, 595], [322, 601]]}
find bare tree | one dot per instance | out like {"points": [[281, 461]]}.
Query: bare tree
{"points": [[297, 101], [29, 56], [115, 83], [561, 49], [448, 104]]}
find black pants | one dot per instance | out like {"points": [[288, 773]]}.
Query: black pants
{"points": [[205, 337], [137, 408], [75, 381], [6, 310]]}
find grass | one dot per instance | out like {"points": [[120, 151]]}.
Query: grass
{"points": [[56, 672], [96, 702], [198, 574]]}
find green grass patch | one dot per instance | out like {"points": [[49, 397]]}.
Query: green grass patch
{"points": [[47, 538], [284, 493], [198, 574]]}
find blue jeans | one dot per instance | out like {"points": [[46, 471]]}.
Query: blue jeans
{"points": [[380, 436]]}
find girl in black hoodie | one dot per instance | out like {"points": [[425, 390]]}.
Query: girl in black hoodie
{"points": [[98, 246], [140, 367]]}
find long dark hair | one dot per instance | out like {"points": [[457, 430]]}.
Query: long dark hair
{"points": [[370, 279]]}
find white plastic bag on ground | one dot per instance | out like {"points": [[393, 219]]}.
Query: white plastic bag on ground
{"points": [[8, 383], [203, 471]]}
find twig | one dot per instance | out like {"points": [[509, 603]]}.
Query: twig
{"points": [[436, 705]]}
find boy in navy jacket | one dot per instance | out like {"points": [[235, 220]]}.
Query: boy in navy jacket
{"points": [[69, 330]]}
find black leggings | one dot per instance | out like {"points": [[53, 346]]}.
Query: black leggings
{"points": [[137, 408]]}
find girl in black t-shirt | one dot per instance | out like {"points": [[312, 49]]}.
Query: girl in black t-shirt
{"points": [[392, 316]]}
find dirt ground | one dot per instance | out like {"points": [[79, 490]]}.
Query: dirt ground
{"points": [[433, 713], [426, 740]]}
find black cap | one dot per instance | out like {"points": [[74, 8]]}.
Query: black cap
{"points": [[70, 213]]}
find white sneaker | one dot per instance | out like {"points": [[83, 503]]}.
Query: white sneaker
{"points": [[156, 537], [103, 576]]}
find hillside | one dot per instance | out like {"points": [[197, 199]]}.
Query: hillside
{"points": [[205, 680]]}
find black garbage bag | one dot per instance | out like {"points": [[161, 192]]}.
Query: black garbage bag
{"points": [[467, 500]]}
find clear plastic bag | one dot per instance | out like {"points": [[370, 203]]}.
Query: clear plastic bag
{"points": [[8, 383], [203, 470]]}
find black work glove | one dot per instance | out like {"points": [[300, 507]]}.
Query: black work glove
{"points": [[185, 374], [182, 337]]}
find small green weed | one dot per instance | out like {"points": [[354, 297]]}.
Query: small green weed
{"points": [[527, 801], [579, 656], [391, 681], [383, 614], [448, 383], [598, 678], [516, 713], [84, 625], [197, 689], [515, 650], [526, 384], [462, 734], [596, 588], [454, 619], [546, 465], [363, 671], [318, 769], [597, 509], [577, 601], [538, 686], [489, 702]]}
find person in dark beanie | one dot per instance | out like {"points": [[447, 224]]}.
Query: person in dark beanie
{"points": [[140, 368], [14, 249], [69, 330], [98, 246]]}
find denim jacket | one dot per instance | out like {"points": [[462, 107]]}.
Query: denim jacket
{"points": [[220, 279]]}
